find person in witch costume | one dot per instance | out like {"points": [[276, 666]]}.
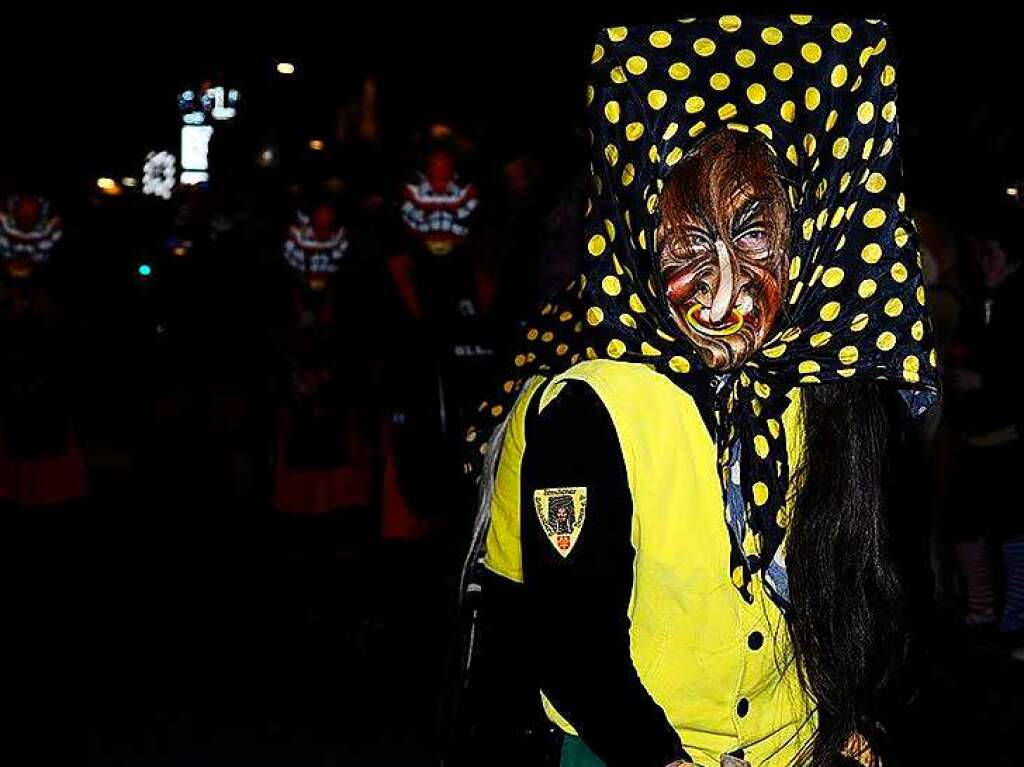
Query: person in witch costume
{"points": [[684, 500], [323, 458], [40, 462]]}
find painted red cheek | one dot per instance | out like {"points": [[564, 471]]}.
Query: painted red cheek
{"points": [[771, 296], [680, 286]]}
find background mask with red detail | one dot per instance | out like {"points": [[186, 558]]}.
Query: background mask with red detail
{"points": [[29, 229], [437, 206], [315, 246]]}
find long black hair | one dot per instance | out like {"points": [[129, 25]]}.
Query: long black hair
{"points": [[849, 624]]}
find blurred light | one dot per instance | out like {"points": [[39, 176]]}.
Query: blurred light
{"points": [[223, 103], [159, 174], [108, 186], [316, 145], [194, 177], [439, 131], [1013, 191], [266, 157], [195, 148], [129, 182], [145, 270], [179, 251], [285, 68]]}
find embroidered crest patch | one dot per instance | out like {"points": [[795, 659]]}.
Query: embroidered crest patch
{"points": [[561, 511]]}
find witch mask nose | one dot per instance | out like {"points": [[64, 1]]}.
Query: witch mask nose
{"points": [[731, 288], [723, 299]]}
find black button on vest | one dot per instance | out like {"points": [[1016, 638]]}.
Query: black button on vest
{"points": [[755, 640], [743, 707]]}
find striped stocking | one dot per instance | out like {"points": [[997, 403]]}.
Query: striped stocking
{"points": [[976, 566]]}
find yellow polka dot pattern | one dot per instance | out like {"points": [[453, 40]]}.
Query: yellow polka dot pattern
{"points": [[823, 97]]}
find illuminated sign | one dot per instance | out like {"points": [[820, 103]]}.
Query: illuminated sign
{"points": [[159, 174], [198, 108], [215, 102], [195, 148], [194, 177]]}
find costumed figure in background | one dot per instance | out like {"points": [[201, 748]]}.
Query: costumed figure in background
{"points": [[440, 343], [986, 414], [323, 459], [40, 463], [684, 509]]}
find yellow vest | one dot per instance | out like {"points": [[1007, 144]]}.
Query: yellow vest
{"points": [[692, 637]]}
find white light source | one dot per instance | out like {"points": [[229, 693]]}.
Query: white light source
{"points": [[195, 146], [285, 68], [1013, 191], [130, 182], [194, 177], [266, 157], [159, 174], [223, 108]]}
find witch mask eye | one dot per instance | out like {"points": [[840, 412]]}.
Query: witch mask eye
{"points": [[698, 240], [753, 239], [682, 245]]}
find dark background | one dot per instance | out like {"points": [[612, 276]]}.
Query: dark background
{"points": [[89, 96]]}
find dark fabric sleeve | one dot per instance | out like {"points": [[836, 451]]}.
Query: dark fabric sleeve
{"points": [[577, 605]]}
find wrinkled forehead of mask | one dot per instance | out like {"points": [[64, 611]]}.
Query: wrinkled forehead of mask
{"points": [[726, 175]]}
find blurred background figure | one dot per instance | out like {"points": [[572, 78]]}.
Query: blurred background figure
{"points": [[322, 453], [941, 269], [985, 409], [40, 462], [438, 340]]}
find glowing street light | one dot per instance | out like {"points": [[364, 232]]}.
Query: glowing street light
{"points": [[285, 68], [108, 186], [317, 145], [145, 270], [130, 182], [440, 131], [266, 157]]}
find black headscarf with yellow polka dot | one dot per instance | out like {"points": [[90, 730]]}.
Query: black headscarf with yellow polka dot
{"points": [[823, 95]]}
